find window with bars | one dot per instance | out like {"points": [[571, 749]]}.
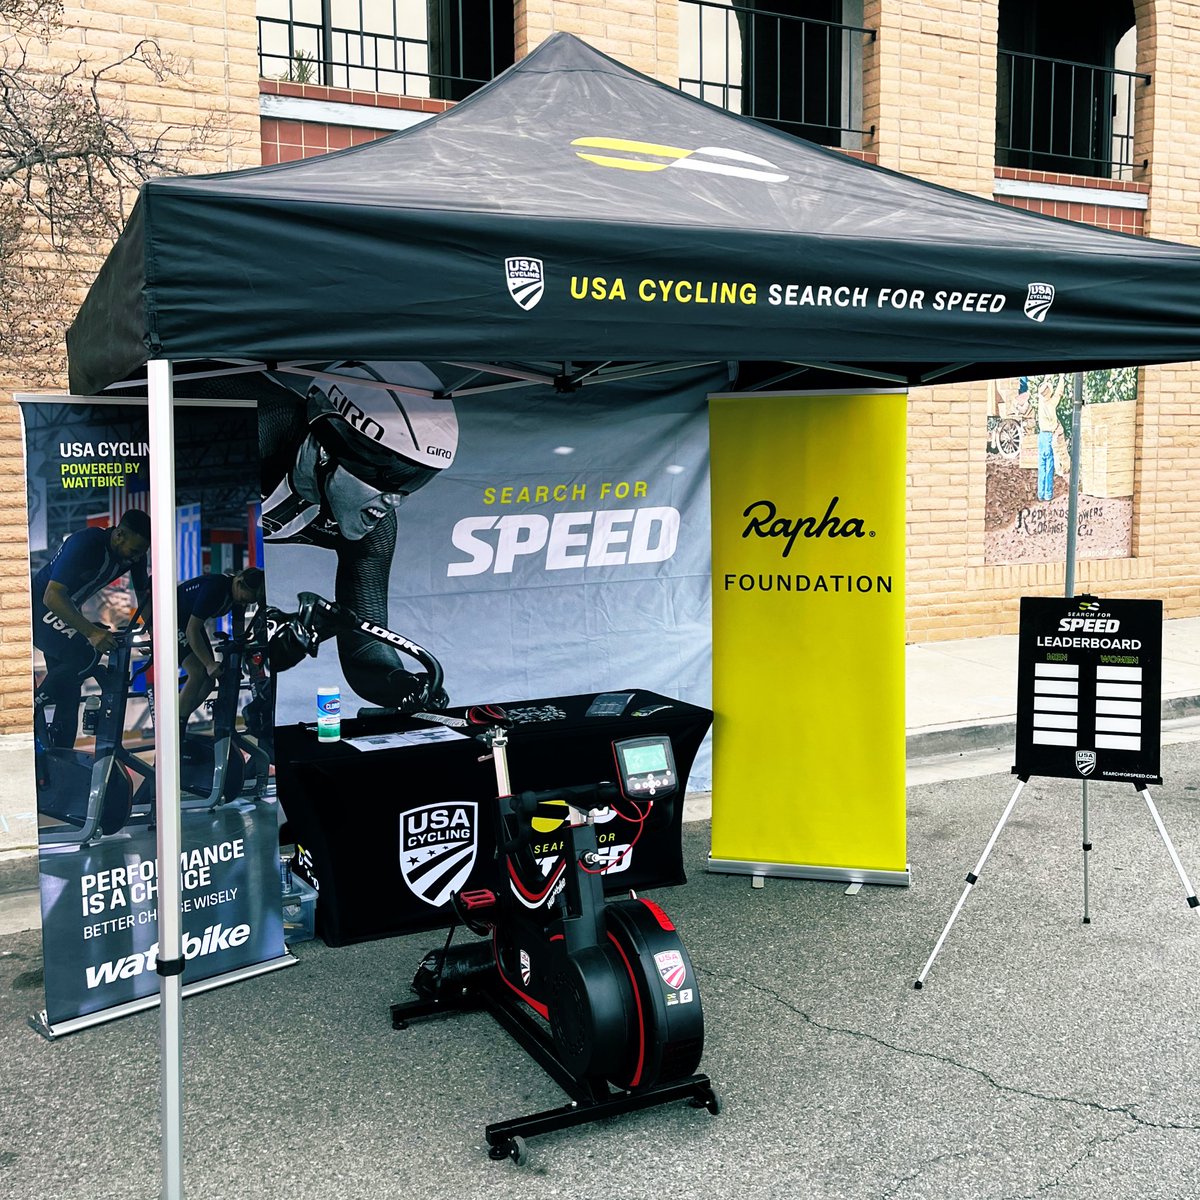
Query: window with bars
{"points": [[793, 64], [1066, 89], [441, 49]]}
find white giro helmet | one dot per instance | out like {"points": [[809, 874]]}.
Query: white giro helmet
{"points": [[392, 440]]}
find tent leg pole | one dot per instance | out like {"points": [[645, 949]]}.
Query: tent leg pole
{"points": [[166, 771], [1073, 493]]}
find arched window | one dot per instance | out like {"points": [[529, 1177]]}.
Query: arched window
{"points": [[1066, 87]]}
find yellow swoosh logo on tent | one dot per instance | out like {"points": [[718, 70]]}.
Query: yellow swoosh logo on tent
{"points": [[714, 160], [629, 164]]}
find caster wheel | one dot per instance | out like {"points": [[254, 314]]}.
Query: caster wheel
{"points": [[514, 1148], [707, 1097]]}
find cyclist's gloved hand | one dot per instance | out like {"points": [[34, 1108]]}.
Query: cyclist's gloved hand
{"points": [[288, 641], [396, 688]]}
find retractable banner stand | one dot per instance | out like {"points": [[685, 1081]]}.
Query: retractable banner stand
{"points": [[808, 520], [88, 464]]}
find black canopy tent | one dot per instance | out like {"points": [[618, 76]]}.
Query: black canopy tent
{"points": [[574, 222], [648, 226]]}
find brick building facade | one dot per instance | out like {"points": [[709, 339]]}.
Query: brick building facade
{"points": [[929, 94]]}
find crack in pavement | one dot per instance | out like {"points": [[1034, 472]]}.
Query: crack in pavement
{"points": [[933, 1162], [1089, 1151], [1122, 1110]]}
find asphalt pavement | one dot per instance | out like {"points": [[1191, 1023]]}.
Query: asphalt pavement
{"points": [[1044, 1057]]}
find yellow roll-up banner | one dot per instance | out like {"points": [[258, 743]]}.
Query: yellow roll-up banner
{"points": [[808, 522]]}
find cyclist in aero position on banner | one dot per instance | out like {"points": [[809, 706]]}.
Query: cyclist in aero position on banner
{"points": [[336, 466]]}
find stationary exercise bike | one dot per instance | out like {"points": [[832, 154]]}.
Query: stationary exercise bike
{"points": [[213, 767], [93, 793], [601, 994]]}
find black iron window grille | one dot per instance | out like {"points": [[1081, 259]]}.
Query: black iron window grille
{"points": [[799, 74], [441, 49], [1056, 115]]}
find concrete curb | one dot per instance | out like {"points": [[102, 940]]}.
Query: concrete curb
{"points": [[18, 871], [998, 733]]}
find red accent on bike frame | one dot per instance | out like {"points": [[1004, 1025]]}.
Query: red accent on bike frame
{"points": [[661, 917], [535, 897], [637, 999], [541, 1010]]}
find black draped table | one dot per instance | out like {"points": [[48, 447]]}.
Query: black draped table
{"points": [[386, 834]]}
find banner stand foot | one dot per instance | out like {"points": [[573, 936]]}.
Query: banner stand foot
{"points": [[764, 870]]}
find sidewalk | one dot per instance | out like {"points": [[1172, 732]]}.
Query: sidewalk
{"points": [[962, 695]]}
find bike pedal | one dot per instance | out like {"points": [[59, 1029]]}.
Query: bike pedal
{"points": [[477, 902]]}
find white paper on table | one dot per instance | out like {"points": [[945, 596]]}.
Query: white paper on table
{"points": [[410, 737]]}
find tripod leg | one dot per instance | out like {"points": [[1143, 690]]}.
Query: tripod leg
{"points": [[1187, 887], [972, 879], [1087, 846]]}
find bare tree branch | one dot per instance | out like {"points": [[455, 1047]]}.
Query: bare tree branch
{"points": [[72, 157]]}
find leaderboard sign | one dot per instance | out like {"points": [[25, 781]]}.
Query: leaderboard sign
{"points": [[1089, 683]]}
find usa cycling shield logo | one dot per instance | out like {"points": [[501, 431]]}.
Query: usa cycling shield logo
{"points": [[438, 847], [526, 281], [670, 967], [1085, 761], [1038, 300]]}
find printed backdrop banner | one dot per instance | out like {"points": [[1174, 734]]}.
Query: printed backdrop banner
{"points": [[561, 545], [94, 719], [808, 635]]}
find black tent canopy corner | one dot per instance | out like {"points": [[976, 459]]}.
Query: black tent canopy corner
{"points": [[574, 217]]}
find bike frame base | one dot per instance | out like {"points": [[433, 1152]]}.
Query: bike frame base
{"points": [[589, 1101]]}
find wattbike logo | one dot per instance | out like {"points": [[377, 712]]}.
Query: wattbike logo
{"points": [[438, 845], [213, 940], [650, 156]]}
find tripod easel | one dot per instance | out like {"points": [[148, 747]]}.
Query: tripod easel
{"points": [[973, 876]]}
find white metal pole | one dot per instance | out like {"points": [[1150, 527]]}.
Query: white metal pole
{"points": [[1069, 582], [972, 880], [166, 771], [1189, 891], [1073, 492]]}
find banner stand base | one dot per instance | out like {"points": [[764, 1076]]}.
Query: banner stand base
{"points": [[41, 1023], [739, 866]]}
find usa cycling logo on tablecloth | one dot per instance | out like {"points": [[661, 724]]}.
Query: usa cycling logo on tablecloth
{"points": [[670, 967], [438, 846]]}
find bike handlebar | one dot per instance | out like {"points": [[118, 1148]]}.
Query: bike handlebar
{"points": [[317, 619]]}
